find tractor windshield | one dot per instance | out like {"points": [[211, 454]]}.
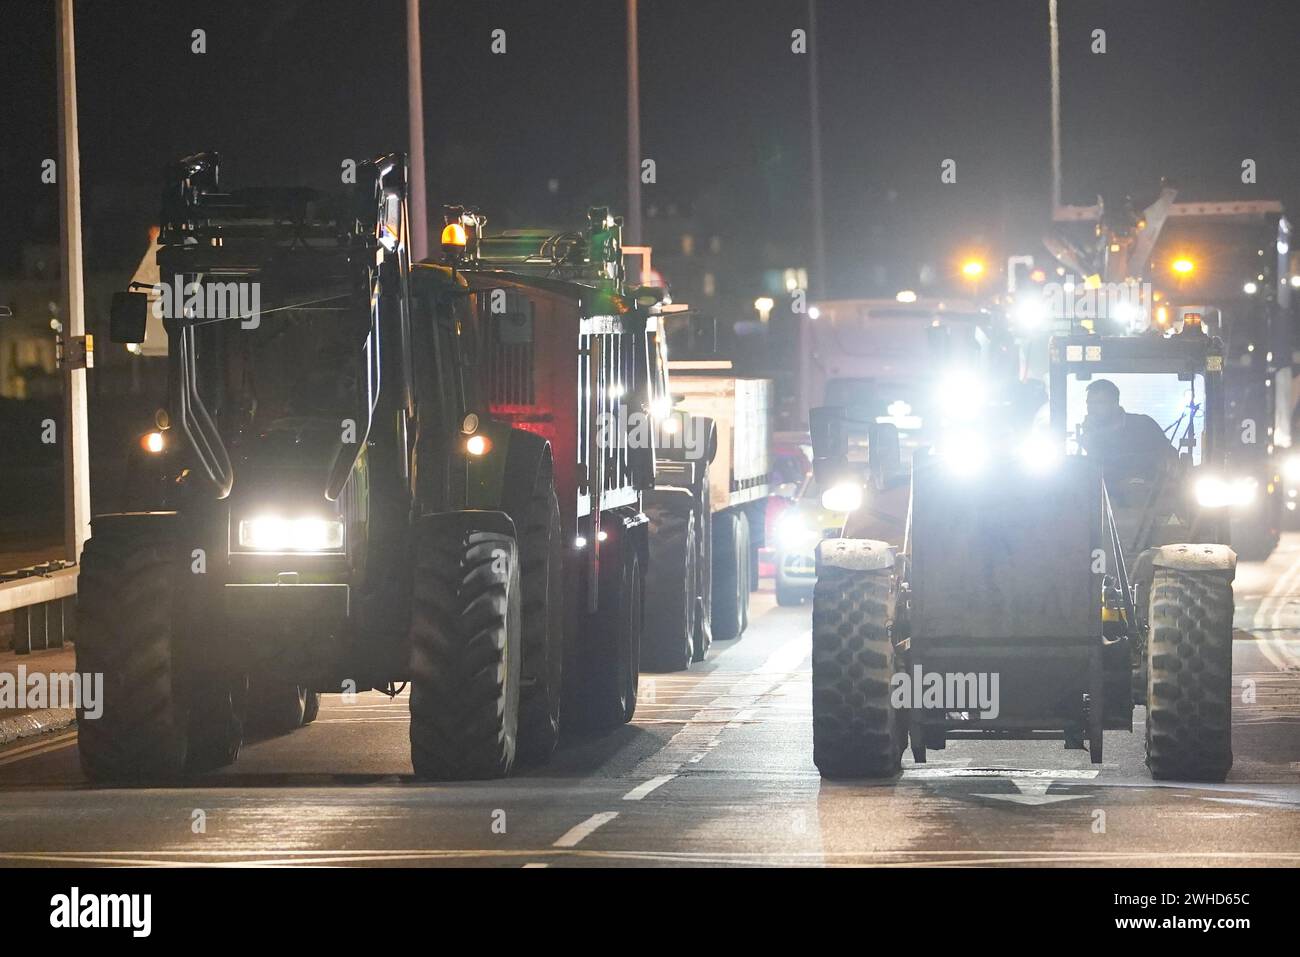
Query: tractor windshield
{"points": [[306, 360], [299, 358], [1175, 405]]}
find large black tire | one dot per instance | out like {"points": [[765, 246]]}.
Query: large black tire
{"points": [[703, 639], [312, 710], [748, 571], [276, 707], [668, 642], [216, 722], [1189, 683], [857, 733], [465, 655], [730, 585], [607, 667], [125, 594], [541, 555]]}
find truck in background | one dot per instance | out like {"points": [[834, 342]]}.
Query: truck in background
{"points": [[707, 509]]}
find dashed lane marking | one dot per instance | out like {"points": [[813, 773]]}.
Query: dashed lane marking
{"points": [[641, 790], [575, 835]]}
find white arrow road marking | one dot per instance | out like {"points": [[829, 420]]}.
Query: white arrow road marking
{"points": [[1033, 791], [574, 835]]}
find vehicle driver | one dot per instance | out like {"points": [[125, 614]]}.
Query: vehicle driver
{"points": [[1130, 445]]}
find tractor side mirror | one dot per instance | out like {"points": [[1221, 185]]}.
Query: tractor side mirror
{"points": [[126, 321]]}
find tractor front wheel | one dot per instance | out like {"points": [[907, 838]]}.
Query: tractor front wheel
{"points": [[857, 733], [125, 593], [1189, 676]]}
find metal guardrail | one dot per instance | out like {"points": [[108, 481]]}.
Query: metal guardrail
{"points": [[42, 600]]}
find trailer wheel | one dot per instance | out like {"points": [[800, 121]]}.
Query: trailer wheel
{"points": [[276, 707], [541, 558], [1189, 684], [125, 592], [607, 666], [312, 710], [465, 655], [857, 733], [671, 584], [703, 639], [748, 572], [730, 578], [216, 722]]}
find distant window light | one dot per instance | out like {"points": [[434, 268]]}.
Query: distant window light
{"points": [[688, 244], [710, 286], [715, 244]]}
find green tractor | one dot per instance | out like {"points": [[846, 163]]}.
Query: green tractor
{"points": [[1031, 598], [335, 508]]}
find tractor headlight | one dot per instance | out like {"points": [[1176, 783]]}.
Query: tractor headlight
{"points": [[272, 533], [1040, 454], [1291, 468], [1213, 491], [964, 452], [153, 442], [843, 497], [960, 394], [794, 533]]}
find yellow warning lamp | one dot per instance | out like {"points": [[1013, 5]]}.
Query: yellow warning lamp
{"points": [[454, 239], [1183, 266]]}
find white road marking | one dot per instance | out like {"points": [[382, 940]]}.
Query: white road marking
{"points": [[924, 772], [897, 857], [574, 835], [531, 864], [732, 705], [44, 746], [1268, 616], [641, 790], [1033, 792]]}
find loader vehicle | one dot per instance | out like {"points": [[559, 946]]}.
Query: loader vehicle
{"points": [[333, 506], [1231, 265], [1026, 593]]}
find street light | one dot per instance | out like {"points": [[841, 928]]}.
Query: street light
{"points": [[764, 305], [972, 268]]}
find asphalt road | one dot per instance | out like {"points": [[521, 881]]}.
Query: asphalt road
{"points": [[716, 769]]}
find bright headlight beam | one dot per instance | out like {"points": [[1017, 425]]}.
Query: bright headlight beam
{"points": [[1213, 491], [273, 533], [844, 497], [1040, 454], [794, 533]]}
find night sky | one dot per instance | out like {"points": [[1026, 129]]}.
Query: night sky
{"points": [[289, 88]]}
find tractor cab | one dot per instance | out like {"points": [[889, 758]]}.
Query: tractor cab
{"points": [[1150, 409]]}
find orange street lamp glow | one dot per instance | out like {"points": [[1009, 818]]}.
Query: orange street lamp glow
{"points": [[1184, 266], [972, 269]]}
